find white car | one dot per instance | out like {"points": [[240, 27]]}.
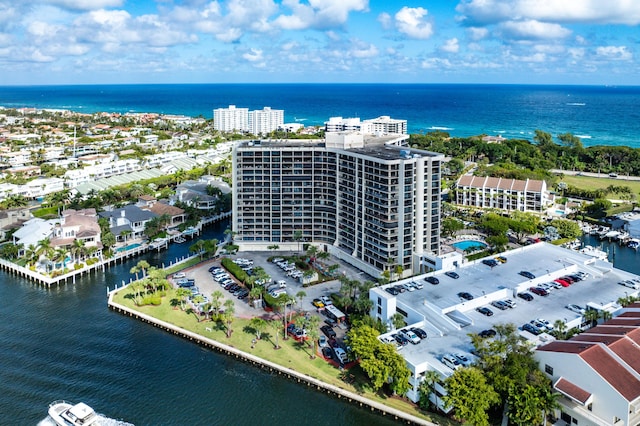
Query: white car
{"points": [[411, 336], [575, 308], [464, 360], [281, 284], [179, 275], [326, 300]]}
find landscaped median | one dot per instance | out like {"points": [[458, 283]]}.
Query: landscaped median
{"points": [[293, 358]]}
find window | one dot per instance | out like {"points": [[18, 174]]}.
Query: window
{"points": [[379, 301], [548, 369]]}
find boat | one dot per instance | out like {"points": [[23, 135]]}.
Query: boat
{"points": [[594, 252], [633, 243], [65, 413]]}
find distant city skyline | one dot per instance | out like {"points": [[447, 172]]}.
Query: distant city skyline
{"points": [[342, 41]]}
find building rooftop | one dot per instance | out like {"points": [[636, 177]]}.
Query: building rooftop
{"points": [[448, 319]]}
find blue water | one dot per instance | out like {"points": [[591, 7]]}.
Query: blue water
{"points": [[602, 115], [463, 245]]}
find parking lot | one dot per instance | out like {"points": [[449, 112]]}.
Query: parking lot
{"points": [[207, 285]]}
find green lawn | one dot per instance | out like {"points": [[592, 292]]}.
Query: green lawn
{"points": [[591, 183], [292, 354]]}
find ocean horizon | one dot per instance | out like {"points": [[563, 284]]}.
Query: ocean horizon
{"points": [[599, 115]]}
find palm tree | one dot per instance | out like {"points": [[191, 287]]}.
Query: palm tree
{"points": [[229, 311], [31, 254], [216, 301], [125, 234], [144, 266], [591, 316], [59, 256], [259, 325], [77, 249], [255, 293], [182, 294], [560, 327], [297, 236], [299, 296], [275, 325], [45, 248], [431, 379], [198, 247], [313, 322], [306, 276]]}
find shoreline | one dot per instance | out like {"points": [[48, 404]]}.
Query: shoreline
{"points": [[263, 364]]}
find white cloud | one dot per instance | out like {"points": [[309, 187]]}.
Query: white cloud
{"points": [[576, 53], [410, 21], [573, 11], [86, 4], [255, 55], [385, 20], [614, 53], [360, 49], [451, 46], [477, 33], [531, 30], [318, 14], [432, 63]]}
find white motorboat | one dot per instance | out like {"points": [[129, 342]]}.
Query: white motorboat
{"points": [[67, 414], [594, 252]]}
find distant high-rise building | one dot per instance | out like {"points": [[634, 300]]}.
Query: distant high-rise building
{"points": [[383, 125], [231, 119], [264, 121], [375, 205]]}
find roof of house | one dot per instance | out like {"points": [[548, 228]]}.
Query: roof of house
{"points": [[571, 390], [132, 213], [611, 350], [161, 208], [501, 183]]}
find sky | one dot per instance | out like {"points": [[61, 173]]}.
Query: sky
{"points": [[335, 41]]}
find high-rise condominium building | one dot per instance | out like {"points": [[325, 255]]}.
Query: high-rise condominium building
{"points": [[231, 119], [383, 125], [373, 204], [264, 121]]}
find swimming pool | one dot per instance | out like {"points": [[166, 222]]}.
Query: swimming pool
{"points": [[129, 247], [463, 245]]}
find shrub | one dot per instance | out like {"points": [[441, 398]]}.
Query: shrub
{"points": [[234, 269]]}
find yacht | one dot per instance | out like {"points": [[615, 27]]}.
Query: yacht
{"points": [[65, 413], [594, 252]]}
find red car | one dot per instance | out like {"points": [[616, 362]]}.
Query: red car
{"points": [[539, 291], [562, 282]]}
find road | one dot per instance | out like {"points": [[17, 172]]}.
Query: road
{"points": [[596, 175]]}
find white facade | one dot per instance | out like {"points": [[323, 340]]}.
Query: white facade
{"points": [[384, 125], [231, 119], [265, 120], [339, 124]]}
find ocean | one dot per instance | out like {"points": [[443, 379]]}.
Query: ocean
{"points": [[600, 115]]}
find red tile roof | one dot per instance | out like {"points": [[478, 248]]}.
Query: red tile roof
{"points": [[572, 391], [612, 371]]}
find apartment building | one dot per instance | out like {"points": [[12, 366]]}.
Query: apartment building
{"points": [[231, 119], [265, 121], [373, 203], [505, 194]]}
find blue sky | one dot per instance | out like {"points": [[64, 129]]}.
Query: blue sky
{"points": [[246, 41]]}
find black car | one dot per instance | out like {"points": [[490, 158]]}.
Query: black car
{"points": [[401, 339], [531, 329], [327, 352], [490, 262], [419, 332], [452, 274], [432, 280], [527, 274], [487, 333], [525, 296], [328, 331], [485, 311], [466, 296], [392, 291]]}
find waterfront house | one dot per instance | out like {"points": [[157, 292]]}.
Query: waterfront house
{"points": [[159, 208], [12, 218], [79, 225], [33, 231], [127, 222]]}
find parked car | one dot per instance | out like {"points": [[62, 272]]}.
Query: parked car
{"points": [[501, 259], [464, 295], [451, 362], [510, 303], [419, 332], [487, 333], [326, 300], [527, 274], [340, 355], [401, 339], [562, 282], [525, 296], [464, 360], [328, 331], [179, 275], [432, 280], [317, 303], [485, 311], [411, 336], [575, 308], [539, 291], [327, 352], [392, 291], [452, 274], [500, 305], [417, 285], [531, 329], [490, 262]]}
